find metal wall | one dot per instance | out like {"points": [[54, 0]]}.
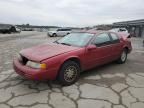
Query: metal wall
{"points": [[142, 35]]}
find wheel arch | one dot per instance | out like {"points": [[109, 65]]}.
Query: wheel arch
{"points": [[60, 75], [54, 34], [126, 47], [75, 59]]}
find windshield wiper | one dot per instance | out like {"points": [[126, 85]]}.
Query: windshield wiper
{"points": [[65, 44]]}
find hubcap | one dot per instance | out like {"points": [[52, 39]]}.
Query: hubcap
{"points": [[70, 73], [123, 56]]}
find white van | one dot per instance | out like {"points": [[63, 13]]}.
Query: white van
{"points": [[59, 32]]}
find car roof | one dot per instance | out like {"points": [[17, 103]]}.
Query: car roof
{"points": [[97, 31], [93, 32], [65, 28]]}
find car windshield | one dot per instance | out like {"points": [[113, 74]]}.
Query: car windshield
{"points": [[76, 39]]}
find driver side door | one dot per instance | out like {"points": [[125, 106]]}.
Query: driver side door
{"points": [[101, 54]]}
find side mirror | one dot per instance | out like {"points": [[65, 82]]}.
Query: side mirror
{"points": [[91, 47]]}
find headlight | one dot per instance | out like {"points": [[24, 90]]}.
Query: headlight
{"points": [[36, 65]]}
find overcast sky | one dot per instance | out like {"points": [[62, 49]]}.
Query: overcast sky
{"points": [[70, 12]]}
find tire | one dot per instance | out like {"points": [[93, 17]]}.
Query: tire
{"points": [[122, 59], [54, 35], [65, 77], [68, 33]]}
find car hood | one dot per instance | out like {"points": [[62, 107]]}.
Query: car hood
{"points": [[45, 51]]}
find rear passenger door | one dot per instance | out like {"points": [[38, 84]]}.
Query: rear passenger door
{"points": [[116, 46]]}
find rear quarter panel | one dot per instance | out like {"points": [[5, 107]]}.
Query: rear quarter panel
{"points": [[126, 42]]}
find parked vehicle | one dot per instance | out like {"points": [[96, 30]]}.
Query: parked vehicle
{"points": [[18, 30], [6, 28], [59, 32], [119, 30], [67, 57]]}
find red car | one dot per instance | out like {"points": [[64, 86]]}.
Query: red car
{"points": [[70, 55]]}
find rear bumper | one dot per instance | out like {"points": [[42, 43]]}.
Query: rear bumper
{"points": [[33, 74]]}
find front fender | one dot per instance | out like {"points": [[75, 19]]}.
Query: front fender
{"points": [[70, 58]]}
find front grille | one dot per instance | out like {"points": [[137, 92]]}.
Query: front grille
{"points": [[24, 60]]}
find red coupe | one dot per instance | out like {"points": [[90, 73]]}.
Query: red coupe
{"points": [[67, 57]]}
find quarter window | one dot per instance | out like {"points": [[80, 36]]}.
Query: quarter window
{"points": [[102, 39], [115, 38], [63, 30]]}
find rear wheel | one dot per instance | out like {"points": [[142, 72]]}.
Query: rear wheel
{"points": [[69, 73], [123, 57]]}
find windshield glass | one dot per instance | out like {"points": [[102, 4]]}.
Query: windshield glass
{"points": [[76, 39]]}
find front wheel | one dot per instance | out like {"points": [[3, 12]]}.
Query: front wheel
{"points": [[69, 73], [54, 35], [68, 33], [123, 57]]}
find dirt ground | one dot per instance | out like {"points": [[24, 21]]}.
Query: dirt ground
{"points": [[109, 86]]}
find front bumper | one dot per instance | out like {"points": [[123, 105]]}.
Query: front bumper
{"points": [[49, 34], [33, 74]]}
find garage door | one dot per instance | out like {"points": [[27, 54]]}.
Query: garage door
{"points": [[137, 32]]}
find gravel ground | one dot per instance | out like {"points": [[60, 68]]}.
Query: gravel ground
{"points": [[109, 86]]}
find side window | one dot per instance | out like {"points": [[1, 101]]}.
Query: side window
{"points": [[59, 30], [62, 30], [102, 40], [65, 29], [68, 29], [115, 38], [122, 29]]}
